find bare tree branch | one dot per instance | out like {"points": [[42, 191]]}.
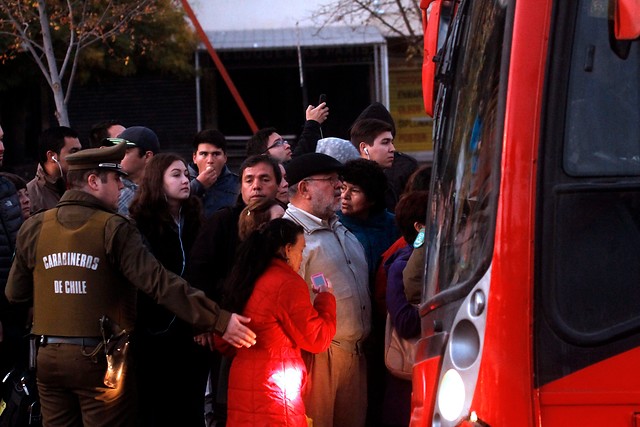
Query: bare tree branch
{"points": [[396, 18]]}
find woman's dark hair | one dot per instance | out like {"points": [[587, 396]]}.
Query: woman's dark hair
{"points": [[255, 215], [370, 177], [149, 206], [254, 256], [411, 208], [419, 180]]}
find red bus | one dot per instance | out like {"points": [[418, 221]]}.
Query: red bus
{"points": [[531, 299]]}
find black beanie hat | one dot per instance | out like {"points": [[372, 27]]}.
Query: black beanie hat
{"points": [[378, 111]]}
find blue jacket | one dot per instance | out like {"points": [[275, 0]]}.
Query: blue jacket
{"points": [[222, 194], [375, 234]]}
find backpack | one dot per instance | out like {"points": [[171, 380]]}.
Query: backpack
{"points": [[20, 405]]}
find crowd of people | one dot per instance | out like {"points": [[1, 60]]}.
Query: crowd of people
{"points": [[256, 298]]}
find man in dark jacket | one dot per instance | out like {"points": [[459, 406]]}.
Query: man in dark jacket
{"points": [[12, 318], [210, 177]]}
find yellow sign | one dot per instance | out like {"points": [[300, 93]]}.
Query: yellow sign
{"points": [[413, 126]]}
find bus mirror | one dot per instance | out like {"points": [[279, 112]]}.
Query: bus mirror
{"points": [[430, 23], [624, 25]]}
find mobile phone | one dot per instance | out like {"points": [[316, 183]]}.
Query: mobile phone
{"points": [[323, 98], [318, 280]]}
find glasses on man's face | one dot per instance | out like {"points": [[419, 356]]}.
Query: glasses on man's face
{"points": [[333, 180], [276, 143]]}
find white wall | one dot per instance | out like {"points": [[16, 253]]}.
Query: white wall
{"points": [[218, 15]]}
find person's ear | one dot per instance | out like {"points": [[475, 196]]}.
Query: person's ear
{"points": [[303, 189], [92, 181], [418, 226]]}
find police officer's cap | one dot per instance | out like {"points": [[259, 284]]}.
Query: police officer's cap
{"points": [[107, 158]]}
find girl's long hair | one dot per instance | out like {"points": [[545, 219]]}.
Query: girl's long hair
{"points": [[149, 207], [254, 256]]}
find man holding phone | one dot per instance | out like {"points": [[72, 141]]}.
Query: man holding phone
{"points": [[338, 377]]}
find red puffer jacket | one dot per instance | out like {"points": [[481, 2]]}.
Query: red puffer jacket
{"points": [[267, 380]]}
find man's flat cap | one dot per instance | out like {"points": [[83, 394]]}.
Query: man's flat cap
{"points": [[107, 158], [310, 164]]}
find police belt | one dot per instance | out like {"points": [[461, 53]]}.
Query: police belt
{"points": [[83, 341], [353, 347]]}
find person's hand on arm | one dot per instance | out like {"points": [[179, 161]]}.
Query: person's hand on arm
{"points": [[207, 177], [319, 113], [237, 334]]}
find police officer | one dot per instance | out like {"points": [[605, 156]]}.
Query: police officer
{"points": [[80, 261]]}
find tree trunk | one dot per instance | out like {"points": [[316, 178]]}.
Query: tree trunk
{"points": [[54, 76]]}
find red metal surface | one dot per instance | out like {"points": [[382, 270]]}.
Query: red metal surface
{"points": [[430, 25], [504, 395], [425, 379], [602, 394], [220, 66], [626, 22]]}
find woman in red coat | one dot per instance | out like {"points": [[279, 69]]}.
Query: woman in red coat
{"points": [[267, 380]]}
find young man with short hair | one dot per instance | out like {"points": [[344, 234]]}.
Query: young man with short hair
{"points": [[54, 145], [268, 141], [210, 176], [142, 145], [374, 141], [106, 129]]}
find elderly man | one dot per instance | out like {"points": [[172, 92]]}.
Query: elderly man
{"points": [[338, 376], [87, 262]]}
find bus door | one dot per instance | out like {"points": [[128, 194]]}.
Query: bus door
{"points": [[587, 285]]}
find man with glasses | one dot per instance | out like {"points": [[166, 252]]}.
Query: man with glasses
{"points": [[338, 376], [268, 141]]}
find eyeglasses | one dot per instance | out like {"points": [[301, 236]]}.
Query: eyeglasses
{"points": [[331, 179], [276, 143]]}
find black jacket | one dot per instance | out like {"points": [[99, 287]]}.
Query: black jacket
{"points": [[10, 222]]}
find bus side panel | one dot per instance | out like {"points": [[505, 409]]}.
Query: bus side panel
{"points": [[505, 392], [609, 394]]}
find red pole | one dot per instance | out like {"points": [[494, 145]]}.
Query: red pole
{"points": [[220, 66]]}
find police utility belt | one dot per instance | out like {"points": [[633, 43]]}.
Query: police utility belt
{"points": [[82, 341]]}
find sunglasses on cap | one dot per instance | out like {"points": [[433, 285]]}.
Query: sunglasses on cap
{"points": [[115, 141]]}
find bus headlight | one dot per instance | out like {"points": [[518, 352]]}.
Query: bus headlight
{"points": [[451, 395]]}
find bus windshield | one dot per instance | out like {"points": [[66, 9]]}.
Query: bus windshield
{"points": [[467, 148]]}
